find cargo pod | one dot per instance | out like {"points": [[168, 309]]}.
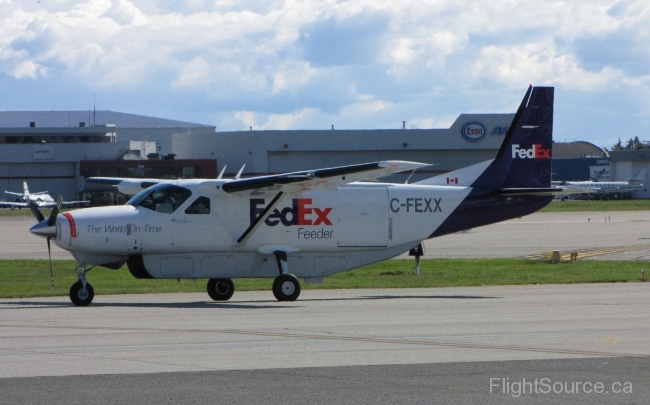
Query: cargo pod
{"points": [[363, 216]]}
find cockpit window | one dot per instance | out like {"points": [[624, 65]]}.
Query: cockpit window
{"points": [[164, 198], [200, 206]]}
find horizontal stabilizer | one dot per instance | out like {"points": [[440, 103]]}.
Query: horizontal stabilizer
{"points": [[533, 191], [464, 177]]}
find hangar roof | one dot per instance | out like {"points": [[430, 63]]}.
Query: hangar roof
{"points": [[576, 150], [22, 119]]}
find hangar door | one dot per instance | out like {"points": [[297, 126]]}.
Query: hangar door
{"points": [[363, 216]]}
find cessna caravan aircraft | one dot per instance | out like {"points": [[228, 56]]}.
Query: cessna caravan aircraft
{"points": [[305, 224]]}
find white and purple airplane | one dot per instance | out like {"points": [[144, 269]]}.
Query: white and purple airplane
{"points": [[306, 224]]}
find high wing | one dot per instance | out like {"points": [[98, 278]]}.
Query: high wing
{"points": [[125, 185], [317, 179], [294, 182]]}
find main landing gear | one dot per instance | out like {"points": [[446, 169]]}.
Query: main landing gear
{"points": [[286, 287], [81, 292], [221, 289]]}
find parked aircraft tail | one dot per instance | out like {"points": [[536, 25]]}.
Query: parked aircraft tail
{"points": [[640, 177]]}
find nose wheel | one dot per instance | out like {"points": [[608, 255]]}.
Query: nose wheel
{"points": [[81, 296], [81, 292]]}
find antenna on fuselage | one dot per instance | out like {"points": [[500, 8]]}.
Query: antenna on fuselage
{"points": [[221, 172], [239, 172]]}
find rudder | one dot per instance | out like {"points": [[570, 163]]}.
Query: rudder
{"points": [[524, 160]]}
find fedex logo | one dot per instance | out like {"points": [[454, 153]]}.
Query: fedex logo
{"points": [[536, 152], [301, 212]]}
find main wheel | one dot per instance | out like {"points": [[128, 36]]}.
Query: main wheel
{"points": [[80, 296], [286, 287], [221, 289]]}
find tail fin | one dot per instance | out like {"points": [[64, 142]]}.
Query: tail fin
{"points": [[25, 188], [640, 177], [524, 160]]}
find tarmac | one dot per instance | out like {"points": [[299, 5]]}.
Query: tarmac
{"points": [[554, 344], [451, 345]]}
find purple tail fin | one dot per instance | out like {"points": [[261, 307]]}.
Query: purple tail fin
{"points": [[524, 160]]}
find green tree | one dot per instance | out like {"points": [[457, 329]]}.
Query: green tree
{"points": [[631, 144]]}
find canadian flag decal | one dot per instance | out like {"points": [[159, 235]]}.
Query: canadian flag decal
{"points": [[452, 180]]}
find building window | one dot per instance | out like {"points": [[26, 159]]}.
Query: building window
{"points": [[188, 172]]}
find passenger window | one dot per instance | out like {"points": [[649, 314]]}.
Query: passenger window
{"points": [[200, 206]]}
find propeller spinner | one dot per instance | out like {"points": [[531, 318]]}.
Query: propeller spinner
{"points": [[45, 228]]}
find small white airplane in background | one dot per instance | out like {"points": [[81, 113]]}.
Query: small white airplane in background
{"points": [[604, 188], [42, 200], [306, 224]]}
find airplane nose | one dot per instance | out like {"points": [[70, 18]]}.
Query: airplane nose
{"points": [[44, 230]]}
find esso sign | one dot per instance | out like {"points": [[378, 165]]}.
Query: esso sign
{"points": [[473, 131]]}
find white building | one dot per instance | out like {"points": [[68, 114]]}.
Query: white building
{"points": [[45, 147], [470, 139]]}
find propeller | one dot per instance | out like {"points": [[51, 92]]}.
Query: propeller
{"points": [[34, 207], [45, 228]]}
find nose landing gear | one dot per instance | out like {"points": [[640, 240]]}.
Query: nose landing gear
{"points": [[81, 292]]}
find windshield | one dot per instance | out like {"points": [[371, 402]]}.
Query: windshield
{"points": [[164, 198]]}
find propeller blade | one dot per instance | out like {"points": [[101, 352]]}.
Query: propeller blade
{"points": [[55, 211], [34, 207], [49, 253]]}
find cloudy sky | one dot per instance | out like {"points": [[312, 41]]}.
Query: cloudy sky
{"points": [[310, 64]]}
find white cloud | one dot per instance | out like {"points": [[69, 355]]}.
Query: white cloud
{"points": [[247, 118], [194, 73], [358, 63], [28, 69], [124, 12]]}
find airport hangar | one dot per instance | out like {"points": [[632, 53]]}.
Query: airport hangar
{"points": [[57, 150]]}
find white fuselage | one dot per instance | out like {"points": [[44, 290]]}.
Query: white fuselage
{"points": [[600, 185], [332, 230]]}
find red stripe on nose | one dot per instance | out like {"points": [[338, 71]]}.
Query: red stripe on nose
{"points": [[73, 226]]}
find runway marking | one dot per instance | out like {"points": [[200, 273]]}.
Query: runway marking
{"points": [[352, 339], [585, 253], [437, 343]]}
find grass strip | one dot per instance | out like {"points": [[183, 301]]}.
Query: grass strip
{"points": [[597, 205], [31, 278]]}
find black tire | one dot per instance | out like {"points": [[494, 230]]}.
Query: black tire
{"points": [[286, 287], [81, 297], [221, 289]]}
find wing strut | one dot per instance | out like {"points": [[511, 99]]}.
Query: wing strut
{"points": [[259, 218]]}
